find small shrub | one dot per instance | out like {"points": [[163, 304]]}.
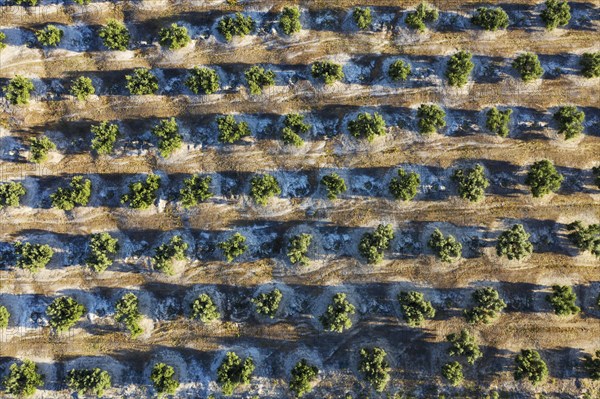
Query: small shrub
{"points": [[82, 2], [373, 244], [557, 13], [289, 22], [49, 36], [239, 25], [32, 257], [203, 80], [102, 247], [471, 183], [195, 189], [303, 377], [399, 70], [337, 316], [166, 253], [82, 88], [231, 131], [2, 39], [497, 121], [405, 186], [585, 238], [4, 317], [142, 194], [590, 63], [459, 68], [431, 118], [267, 303], [570, 121], [563, 300], [115, 35], [64, 312], [233, 247], [464, 344], [263, 187], [26, 2], [169, 137], [174, 37], [39, 148], [203, 308], [447, 248], [11, 193], [234, 372], [78, 193], [592, 365], [415, 309], [374, 367], [258, 78], [142, 82], [23, 380], [529, 67], [105, 136], [294, 125], [90, 381], [362, 17], [531, 366], [543, 178], [490, 18], [514, 243], [18, 90], [327, 71], [488, 304], [128, 313], [298, 248], [163, 379], [453, 372], [334, 184], [423, 13], [367, 126]]}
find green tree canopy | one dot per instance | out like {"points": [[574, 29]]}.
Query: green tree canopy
{"points": [[233, 247], [367, 126], [102, 247], [375, 367], [327, 71], [142, 194], [49, 36], [298, 249], [334, 184], [231, 131], [289, 21], [141, 82], [362, 17], [169, 137], [11, 194], [490, 18], [32, 257], [23, 379], [238, 25], [530, 366], [167, 253], [234, 372], [563, 300], [415, 309], [337, 316], [423, 13], [447, 248], [529, 67], [105, 136], [543, 178], [498, 121], [267, 303], [471, 183], [258, 78], [92, 381], [487, 305], [570, 121], [128, 313], [431, 118], [203, 80], [303, 377], [164, 380], [557, 13], [78, 193], [263, 187], [18, 90], [82, 88], [174, 37], [514, 243], [459, 68], [204, 309], [64, 312], [195, 189], [464, 344], [115, 35]]}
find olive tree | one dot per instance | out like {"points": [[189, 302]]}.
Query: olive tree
{"points": [[293, 125], [563, 300], [267, 303], [487, 306], [298, 249], [4, 317], [415, 309], [234, 372], [102, 248], [498, 121], [490, 18], [11, 194], [169, 137], [258, 78], [142, 194], [453, 372], [174, 37], [431, 118], [78, 193], [585, 238], [238, 25], [23, 379], [471, 183], [163, 379], [303, 376], [405, 186], [263, 187], [529, 67], [39, 147], [32, 257], [423, 13], [195, 189], [447, 248], [142, 82], [105, 136], [231, 131], [18, 90], [367, 126], [514, 243], [459, 68], [375, 367], [115, 35], [204, 309], [233, 247], [203, 80], [334, 184], [530, 366], [128, 313], [337, 316], [64, 312], [543, 178], [570, 121], [327, 71], [49, 36], [399, 70], [557, 13], [289, 21], [590, 65], [373, 244], [166, 254], [464, 344], [82, 88], [91, 381], [362, 17]]}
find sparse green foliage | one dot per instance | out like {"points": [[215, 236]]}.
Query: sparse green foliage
{"points": [[488, 304], [102, 247], [64, 312], [298, 248], [195, 189], [258, 78], [141, 82], [263, 187], [596, 174], [128, 313], [115, 35], [592, 365], [23, 380], [174, 37], [374, 367], [497, 121], [32, 257], [294, 125], [233, 247], [514, 243], [459, 68], [11, 193], [563, 300], [166, 253], [447, 248], [203, 80], [590, 63], [4, 317], [530, 365], [304, 375], [585, 238], [327, 71], [557, 13], [399, 70], [362, 17], [2, 39], [26, 2], [334, 184], [49, 36], [204, 308], [169, 137], [163, 379], [91, 381], [423, 13], [471, 183], [431, 118], [82, 88], [267, 303], [529, 67], [78, 193], [39, 148], [453, 372], [231, 131], [490, 18], [464, 344], [105, 136], [367, 126], [142, 194], [289, 22], [570, 121], [234, 372], [415, 309], [405, 186], [373, 244], [239, 25], [337, 316], [18, 90], [543, 178]]}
